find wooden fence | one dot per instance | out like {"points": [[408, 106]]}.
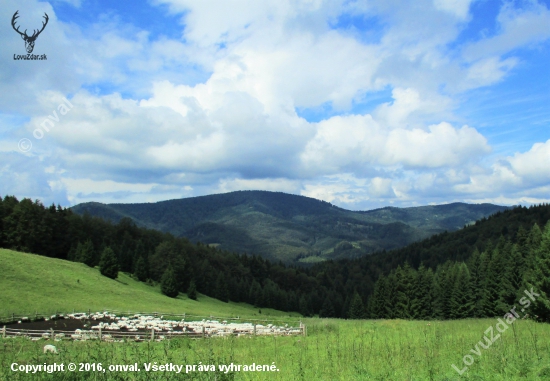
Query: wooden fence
{"points": [[129, 336], [149, 334]]}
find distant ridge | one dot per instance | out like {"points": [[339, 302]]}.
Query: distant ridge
{"points": [[287, 227]]}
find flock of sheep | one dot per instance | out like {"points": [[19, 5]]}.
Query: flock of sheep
{"points": [[138, 327]]}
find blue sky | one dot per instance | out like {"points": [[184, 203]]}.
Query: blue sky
{"points": [[360, 103]]}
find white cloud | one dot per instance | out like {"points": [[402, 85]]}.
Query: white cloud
{"points": [[442, 146], [459, 8], [487, 72], [216, 110], [533, 165], [522, 175], [518, 28], [380, 187], [354, 141]]}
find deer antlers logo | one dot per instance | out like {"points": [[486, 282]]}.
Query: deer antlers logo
{"points": [[29, 40]]}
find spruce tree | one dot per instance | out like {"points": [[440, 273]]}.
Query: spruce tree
{"points": [[390, 297], [462, 301], [513, 284], [108, 264], [492, 285], [445, 281], [255, 294], [168, 283], [141, 269], [86, 254], [192, 290], [356, 307], [222, 293], [476, 279], [327, 310], [540, 278], [71, 255], [405, 281], [303, 306], [423, 294], [376, 302]]}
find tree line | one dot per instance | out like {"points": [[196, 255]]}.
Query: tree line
{"points": [[155, 257], [446, 276], [490, 283]]}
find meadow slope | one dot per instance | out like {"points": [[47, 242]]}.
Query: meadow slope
{"points": [[32, 283]]}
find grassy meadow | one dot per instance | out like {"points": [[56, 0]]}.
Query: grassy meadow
{"points": [[31, 283], [332, 350]]}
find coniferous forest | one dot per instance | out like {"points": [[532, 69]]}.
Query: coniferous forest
{"points": [[479, 271]]}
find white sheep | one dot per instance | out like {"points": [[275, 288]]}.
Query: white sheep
{"points": [[50, 348]]}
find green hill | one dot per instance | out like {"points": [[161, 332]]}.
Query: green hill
{"points": [[288, 227], [32, 283]]}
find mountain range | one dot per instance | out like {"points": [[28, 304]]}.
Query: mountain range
{"points": [[290, 228]]}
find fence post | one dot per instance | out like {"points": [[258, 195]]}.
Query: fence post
{"points": [[100, 332], [52, 334], [203, 331], [4, 332], [254, 329], [152, 334]]}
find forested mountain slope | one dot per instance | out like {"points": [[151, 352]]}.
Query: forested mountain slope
{"points": [[287, 227], [494, 258]]}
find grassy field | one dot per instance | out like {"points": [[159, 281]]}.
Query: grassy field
{"points": [[32, 283], [333, 350]]}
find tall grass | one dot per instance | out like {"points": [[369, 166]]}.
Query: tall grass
{"points": [[333, 350]]}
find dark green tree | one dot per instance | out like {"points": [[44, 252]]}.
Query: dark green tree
{"points": [[86, 254], [539, 281], [356, 307], [192, 290], [222, 292], [141, 270], [405, 282], [327, 310], [462, 301], [168, 283], [377, 302], [390, 299], [108, 264], [304, 306], [492, 285], [423, 305]]}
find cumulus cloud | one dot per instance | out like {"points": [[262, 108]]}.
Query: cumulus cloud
{"points": [[525, 174], [533, 165], [215, 111], [360, 140]]}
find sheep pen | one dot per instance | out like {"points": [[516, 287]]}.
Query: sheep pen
{"points": [[107, 326]]}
